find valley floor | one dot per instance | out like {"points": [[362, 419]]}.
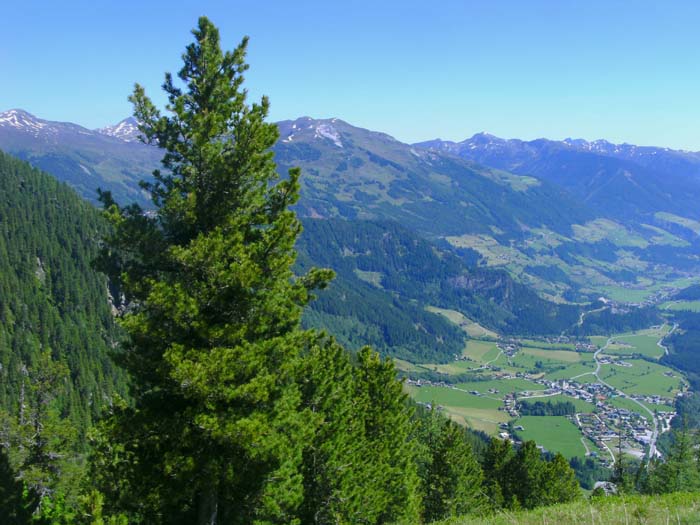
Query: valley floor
{"points": [[616, 384]]}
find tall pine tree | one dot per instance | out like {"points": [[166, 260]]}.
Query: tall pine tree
{"points": [[212, 310]]}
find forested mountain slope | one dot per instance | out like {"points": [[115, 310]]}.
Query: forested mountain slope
{"points": [[51, 299], [388, 276]]}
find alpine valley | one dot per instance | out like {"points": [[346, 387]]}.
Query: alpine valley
{"points": [[492, 271]]}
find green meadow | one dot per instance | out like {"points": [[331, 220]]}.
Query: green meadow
{"points": [[555, 433], [642, 377]]}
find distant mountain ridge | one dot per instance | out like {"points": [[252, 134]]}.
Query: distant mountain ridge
{"points": [[86, 159], [562, 217], [623, 181], [351, 172], [126, 130], [24, 122]]}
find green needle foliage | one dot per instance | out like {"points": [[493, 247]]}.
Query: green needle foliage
{"points": [[212, 310], [452, 478]]}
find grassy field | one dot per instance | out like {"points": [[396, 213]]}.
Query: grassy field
{"points": [[642, 377], [529, 359], [639, 294], [555, 433], [471, 328], [406, 366], [481, 351], [563, 356], [478, 353], [478, 418], [477, 412], [572, 370], [690, 224], [626, 295], [692, 306], [674, 509], [551, 346], [643, 342], [449, 397], [640, 344], [453, 368], [665, 238], [373, 278], [600, 229], [598, 340]]}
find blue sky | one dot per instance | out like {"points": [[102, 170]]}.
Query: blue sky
{"points": [[627, 71]]}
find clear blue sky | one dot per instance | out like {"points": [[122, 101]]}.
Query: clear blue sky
{"points": [[628, 71]]}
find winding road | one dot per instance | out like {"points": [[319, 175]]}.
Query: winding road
{"points": [[655, 433]]}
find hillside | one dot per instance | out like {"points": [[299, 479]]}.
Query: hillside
{"points": [[536, 227], [388, 278], [352, 172], [50, 296], [669, 508], [620, 181], [85, 159], [545, 221]]}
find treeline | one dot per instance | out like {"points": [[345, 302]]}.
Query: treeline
{"points": [[589, 471], [546, 408], [434, 376], [691, 293], [359, 314]]}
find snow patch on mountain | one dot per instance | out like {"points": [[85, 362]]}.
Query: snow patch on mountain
{"points": [[126, 130], [22, 120], [327, 131]]}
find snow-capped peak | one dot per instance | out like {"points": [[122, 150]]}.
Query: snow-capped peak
{"points": [[126, 130], [22, 120]]}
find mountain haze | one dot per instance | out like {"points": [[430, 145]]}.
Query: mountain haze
{"points": [[620, 181]]}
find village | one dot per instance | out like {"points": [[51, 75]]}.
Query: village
{"points": [[605, 426]]}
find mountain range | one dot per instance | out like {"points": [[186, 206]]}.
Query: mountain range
{"points": [[86, 159], [572, 219], [621, 181]]}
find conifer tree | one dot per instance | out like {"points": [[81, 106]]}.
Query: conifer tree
{"points": [[386, 418], [452, 478], [680, 471], [620, 476], [560, 484], [212, 311], [43, 436], [527, 476], [336, 460], [497, 459]]}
